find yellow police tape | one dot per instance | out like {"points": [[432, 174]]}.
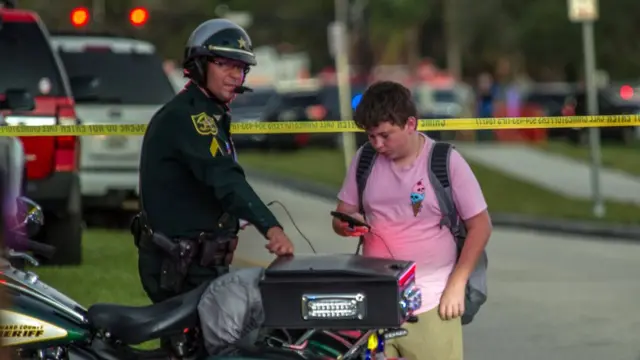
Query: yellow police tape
{"points": [[331, 126]]}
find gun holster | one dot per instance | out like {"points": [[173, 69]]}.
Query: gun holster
{"points": [[179, 253], [175, 266], [218, 250]]}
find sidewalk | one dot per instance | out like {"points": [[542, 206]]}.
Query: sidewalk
{"points": [[557, 173], [309, 212]]}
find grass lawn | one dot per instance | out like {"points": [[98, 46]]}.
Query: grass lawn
{"points": [[504, 194], [614, 155], [109, 273]]}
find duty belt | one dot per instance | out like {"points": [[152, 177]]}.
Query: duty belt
{"points": [[214, 250], [211, 249]]}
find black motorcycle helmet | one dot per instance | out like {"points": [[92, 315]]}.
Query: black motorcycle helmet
{"points": [[216, 38]]}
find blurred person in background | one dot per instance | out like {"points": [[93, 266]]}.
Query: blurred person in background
{"points": [[486, 92], [193, 193], [400, 206]]}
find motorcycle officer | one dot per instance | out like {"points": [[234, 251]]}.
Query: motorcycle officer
{"points": [[193, 192]]}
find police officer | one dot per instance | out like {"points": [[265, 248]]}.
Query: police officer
{"points": [[192, 191]]}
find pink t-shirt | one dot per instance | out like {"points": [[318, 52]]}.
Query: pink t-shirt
{"points": [[401, 207]]}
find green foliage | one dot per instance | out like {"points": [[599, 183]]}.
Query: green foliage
{"points": [[390, 17], [538, 30]]}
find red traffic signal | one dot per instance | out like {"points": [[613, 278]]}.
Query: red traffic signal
{"points": [[138, 16], [80, 16]]}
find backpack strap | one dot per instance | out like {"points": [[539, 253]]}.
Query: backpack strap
{"points": [[439, 176], [365, 164]]}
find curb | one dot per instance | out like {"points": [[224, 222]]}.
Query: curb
{"points": [[570, 227]]}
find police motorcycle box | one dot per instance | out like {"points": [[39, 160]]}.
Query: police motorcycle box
{"points": [[339, 291]]}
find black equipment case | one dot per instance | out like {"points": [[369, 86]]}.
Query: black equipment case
{"points": [[374, 286]]}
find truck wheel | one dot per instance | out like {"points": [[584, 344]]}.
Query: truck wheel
{"points": [[66, 235], [64, 232]]}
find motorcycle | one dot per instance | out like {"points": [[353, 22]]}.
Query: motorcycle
{"points": [[42, 323]]}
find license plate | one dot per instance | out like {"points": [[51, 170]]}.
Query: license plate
{"points": [[116, 142]]}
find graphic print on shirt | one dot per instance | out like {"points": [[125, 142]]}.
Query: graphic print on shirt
{"points": [[417, 197]]}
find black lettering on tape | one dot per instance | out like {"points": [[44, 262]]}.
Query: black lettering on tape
{"points": [[96, 129], [485, 122]]}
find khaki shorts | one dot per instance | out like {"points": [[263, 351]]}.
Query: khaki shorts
{"points": [[431, 338]]}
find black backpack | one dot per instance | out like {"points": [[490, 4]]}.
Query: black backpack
{"points": [[438, 166]]}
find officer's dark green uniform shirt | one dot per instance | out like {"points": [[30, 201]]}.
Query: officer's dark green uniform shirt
{"points": [[188, 173]]}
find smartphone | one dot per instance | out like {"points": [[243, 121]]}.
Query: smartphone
{"points": [[350, 220]]}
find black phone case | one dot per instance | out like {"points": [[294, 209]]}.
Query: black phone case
{"points": [[348, 219]]}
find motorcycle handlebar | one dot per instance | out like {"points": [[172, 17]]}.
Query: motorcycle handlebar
{"points": [[44, 250]]}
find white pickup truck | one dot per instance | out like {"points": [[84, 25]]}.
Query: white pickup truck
{"points": [[130, 86]]}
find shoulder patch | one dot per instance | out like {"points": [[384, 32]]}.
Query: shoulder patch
{"points": [[204, 124]]}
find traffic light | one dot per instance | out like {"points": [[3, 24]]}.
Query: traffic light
{"points": [[80, 16], [138, 16]]}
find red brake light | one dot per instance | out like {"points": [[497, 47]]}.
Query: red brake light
{"points": [[316, 112], [138, 16], [626, 92], [80, 16], [66, 154]]}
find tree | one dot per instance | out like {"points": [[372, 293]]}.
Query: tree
{"points": [[391, 23]]}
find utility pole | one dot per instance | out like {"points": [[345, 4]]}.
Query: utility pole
{"points": [[452, 35], [586, 12], [341, 56]]}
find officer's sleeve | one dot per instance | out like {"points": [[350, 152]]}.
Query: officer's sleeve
{"points": [[201, 151]]}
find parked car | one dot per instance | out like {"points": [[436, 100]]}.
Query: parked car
{"points": [[286, 101], [29, 64], [129, 86], [440, 102], [569, 100], [294, 102], [610, 102], [249, 108]]}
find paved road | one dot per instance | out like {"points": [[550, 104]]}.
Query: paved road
{"points": [[553, 172], [551, 297]]}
